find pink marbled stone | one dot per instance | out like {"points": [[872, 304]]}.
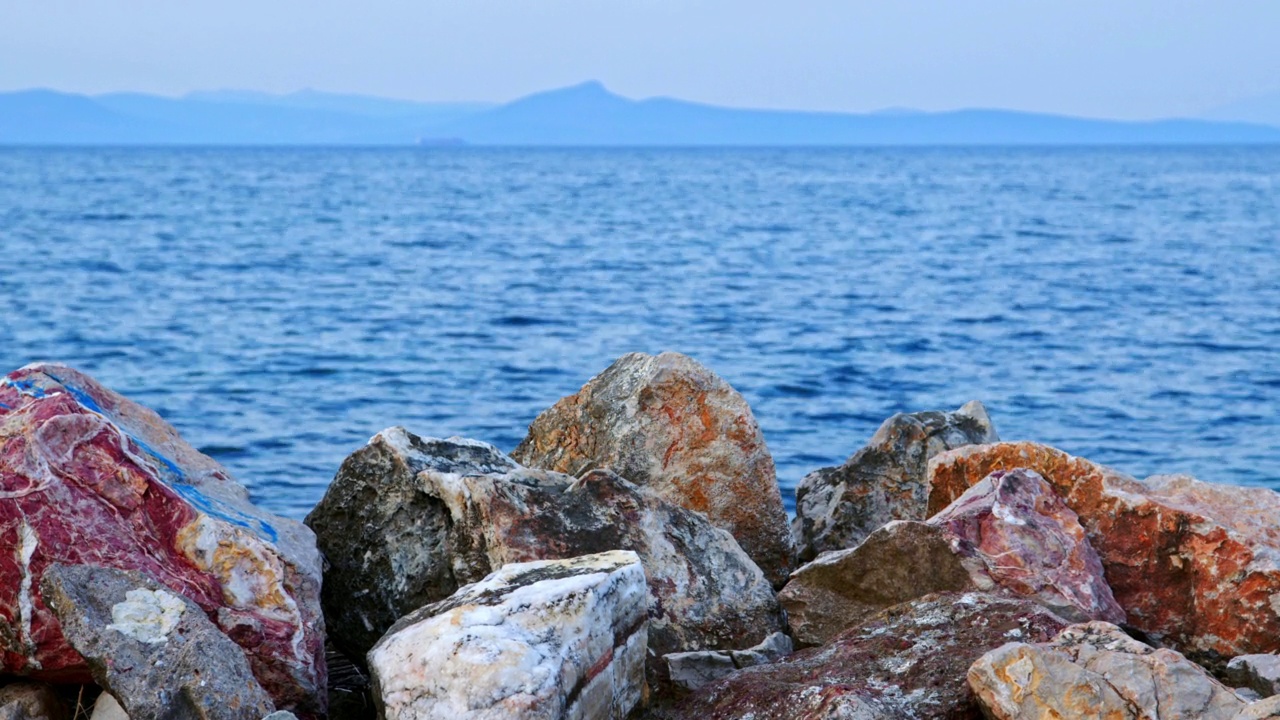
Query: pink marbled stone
{"points": [[1031, 543], [87, 477]]}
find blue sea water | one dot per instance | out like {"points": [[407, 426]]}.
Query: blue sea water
{"points": [[281, 306]]}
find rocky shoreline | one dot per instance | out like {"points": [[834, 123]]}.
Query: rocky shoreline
{"points": [[631, 558]]}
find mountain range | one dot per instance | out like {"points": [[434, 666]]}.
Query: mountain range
{"points": [[586, 114]]}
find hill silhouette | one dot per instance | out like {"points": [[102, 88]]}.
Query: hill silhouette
{"points": [[585, 114]]}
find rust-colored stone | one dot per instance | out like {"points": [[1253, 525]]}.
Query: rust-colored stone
{"points": [[668, 423], [1194, 564]]}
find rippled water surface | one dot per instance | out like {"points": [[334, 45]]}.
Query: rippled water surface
{"points": [[281, 306]]}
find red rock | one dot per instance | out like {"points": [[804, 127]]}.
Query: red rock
{"points": [[1009, 533], [88, 477], [1193, 564], [668, 423], [1031, 544], [904, 663]]}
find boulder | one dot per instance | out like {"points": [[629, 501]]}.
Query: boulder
{"points": [[31, 701], [1030, 543], [1194, 565], [1268, 709], [1260, 673], [408, 520], [547, 640], [899, 562], [692, 670], [671, 425], [1095, 670], [1008, 533], [838, 507], [153, 650], [88, 477], [906, 662]]}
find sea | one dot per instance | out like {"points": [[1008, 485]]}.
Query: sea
{"points": [[280, 306]]}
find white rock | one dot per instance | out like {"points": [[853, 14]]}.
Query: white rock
{"points": [[549, 639], [108, 708], [147, 616]]}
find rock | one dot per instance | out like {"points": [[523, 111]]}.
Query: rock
{"points": [[1095, 670], [153, 650], [1194, 565], [547, 639], [906, 662], [1268, 709], [1008, 532], [281, 715], [692, 670], [1031, 544], [669, 424], [408, 520], [30, 701], [899, 562], [1260, 673], [838, 507], [91, 478], [108, 708]]}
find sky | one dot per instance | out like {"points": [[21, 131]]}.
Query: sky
{"points": [[1130, 59]]}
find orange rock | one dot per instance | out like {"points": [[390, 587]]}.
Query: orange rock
{"points": [[672, 425], [1193, 564]]}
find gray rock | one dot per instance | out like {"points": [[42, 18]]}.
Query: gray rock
{"points": [[30, 701], [668, 423], [1261, 673], [152, 649], [899, 562], [533, 641], [692, 670], [107, 707], [1268, 709], [409, 520], [837, 507], [1096, 670], [904, 663]]}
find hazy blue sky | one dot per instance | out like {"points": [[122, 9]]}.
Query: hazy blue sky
{"points": [[1114, 58]]}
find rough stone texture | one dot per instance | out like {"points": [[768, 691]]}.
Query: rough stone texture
{"points": [[408, 520], [692, 670], [1008, 532], [87, 477], [549, 639], [906, 662], [153, 650], [1268, 709], [1261, 673], [108, 708], [1193, 564], [837, 507], [899, 562], [673, 426], [1095, 670], [1031, 544], [30, 701]]}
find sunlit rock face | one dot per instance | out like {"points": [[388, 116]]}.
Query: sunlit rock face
{"points": [[1193, 564], [542, 640], [88, 477], [668, 423], [1096, 671]]}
